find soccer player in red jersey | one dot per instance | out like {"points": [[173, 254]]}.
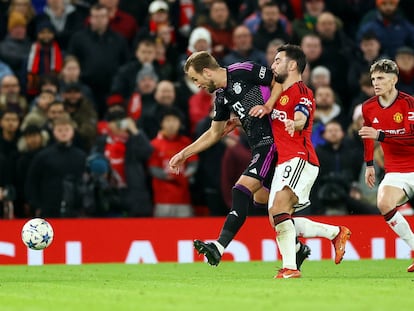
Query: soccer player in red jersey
{"points": [[239, 88], [297, 166], [389, 118]]}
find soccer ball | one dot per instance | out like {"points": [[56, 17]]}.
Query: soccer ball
{"points": [[37, 234]]}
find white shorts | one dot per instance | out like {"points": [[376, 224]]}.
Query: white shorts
{"points": [[404, 181], [297, 174]]}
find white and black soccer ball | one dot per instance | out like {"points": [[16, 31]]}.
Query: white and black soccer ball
{"points": [[37, 234]]}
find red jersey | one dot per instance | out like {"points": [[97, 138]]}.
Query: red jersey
{"points": [[397, 125], [175, 191], [298, 97]]}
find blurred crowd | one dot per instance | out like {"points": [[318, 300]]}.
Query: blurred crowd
{"points": [[94, 101]]}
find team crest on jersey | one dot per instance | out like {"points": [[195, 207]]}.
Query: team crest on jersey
{"points": [[237, 88], [398, 117], [284, 100]]}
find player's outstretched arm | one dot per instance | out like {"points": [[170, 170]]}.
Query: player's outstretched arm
{"points": [[260, 111], [209, 138], [406, 139], [298, 124]]}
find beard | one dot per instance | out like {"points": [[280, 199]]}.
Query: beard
{"points": [[211, 87], [280, 78]]}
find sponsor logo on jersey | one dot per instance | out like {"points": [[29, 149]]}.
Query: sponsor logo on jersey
{"points": [[375, 120], [237, 88], [400, 131], [410, 115], [284, 100], [262, 72], [238, 108], [278, 114], [398, 117]]}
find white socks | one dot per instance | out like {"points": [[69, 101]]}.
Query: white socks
{"points": [[310, 229], [401, 227], [285, 238]]}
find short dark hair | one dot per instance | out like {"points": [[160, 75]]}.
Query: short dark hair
{"points": [[369, 35], [384, 65], [97, 7], [199, 61], [294, 52]]}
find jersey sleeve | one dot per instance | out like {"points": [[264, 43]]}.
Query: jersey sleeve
{"points": [[261, 75], [221, 112], [368, 143], [405, 140]]}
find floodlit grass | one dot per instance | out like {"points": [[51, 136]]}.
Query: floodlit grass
{"points": [[352, 285]]}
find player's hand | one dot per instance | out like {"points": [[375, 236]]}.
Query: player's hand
{"points": [[370, 176], [259, 111], [176, 162], [367, 132], [290, 127], [230, 126]]}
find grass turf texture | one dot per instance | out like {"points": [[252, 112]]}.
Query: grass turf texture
{"points": [[352, 285]]}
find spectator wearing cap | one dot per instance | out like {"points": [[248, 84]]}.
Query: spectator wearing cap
{"points": [[389, 24], [15, 47], [120, 21], [37, 116], [127, 149], [54, 173], [171, 191], [10, 97], [124, 81], [65, 19], [45, 58], [33, 140], [26, 8], [404, 58], [200, 40], [4, 70], [100, 52], [82, 113], [158, 15], [142, 99]]}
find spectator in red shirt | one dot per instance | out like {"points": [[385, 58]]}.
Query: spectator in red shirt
{"points": [[120, 21], [171, 191]]}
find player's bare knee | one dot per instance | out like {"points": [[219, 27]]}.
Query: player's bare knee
{"points": [[385, 206]]}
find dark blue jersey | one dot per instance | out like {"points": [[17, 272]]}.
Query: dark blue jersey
{"points": [[248, 85]]}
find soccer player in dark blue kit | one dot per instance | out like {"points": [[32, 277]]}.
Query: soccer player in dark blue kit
{"points": [[238, 87]]}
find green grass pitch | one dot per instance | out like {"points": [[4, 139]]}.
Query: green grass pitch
{"points": [[352, 285]]}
